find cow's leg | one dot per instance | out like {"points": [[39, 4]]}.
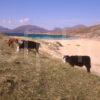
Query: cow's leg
{"points": [[72, 65], [88, 68], [17, 50], [27, 51], [37, 50]]}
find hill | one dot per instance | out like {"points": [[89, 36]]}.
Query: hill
{"points": [[81, 31], [3, 29], [78, 30], [41, 77], [29, 29]]}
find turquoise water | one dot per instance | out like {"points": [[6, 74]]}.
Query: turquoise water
{"points": [[45, 36], [42, 36]]}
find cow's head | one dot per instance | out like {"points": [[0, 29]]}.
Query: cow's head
{"points": [[66, 58], [11, 41]]}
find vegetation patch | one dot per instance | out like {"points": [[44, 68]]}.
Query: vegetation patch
{"points": [[41, 77]]}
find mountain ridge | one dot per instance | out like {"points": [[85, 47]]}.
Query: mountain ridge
{"points": [[77, 30]]}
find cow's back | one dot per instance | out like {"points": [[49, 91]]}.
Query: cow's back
{"points": [[29, 45], [80, 60], [86, 60]]}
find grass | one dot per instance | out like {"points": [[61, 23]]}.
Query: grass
{"points": [[41, 77], [77, 45]]}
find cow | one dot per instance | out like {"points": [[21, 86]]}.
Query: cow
{"points": [[11, 42], [28, 45], [78, 61]]}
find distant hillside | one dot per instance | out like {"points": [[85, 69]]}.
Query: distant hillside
{"points": [[76, 27], [3, 29], [80, 30], [79, 26], [29, 29]]}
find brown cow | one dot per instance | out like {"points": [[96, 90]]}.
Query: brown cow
{"points": [[11, 42]]}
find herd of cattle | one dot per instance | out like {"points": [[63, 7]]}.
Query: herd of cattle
{"points": [[72, 60]]}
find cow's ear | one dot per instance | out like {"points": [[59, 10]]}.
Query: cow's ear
{"points": [[66, 56]]}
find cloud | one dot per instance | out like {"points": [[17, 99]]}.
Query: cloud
{"points": [[11, 23], [24, 21], [8, 22]]}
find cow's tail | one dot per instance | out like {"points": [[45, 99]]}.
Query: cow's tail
{"points": [[40, 44]]}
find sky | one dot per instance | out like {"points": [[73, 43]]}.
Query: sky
{"points": [[49, 13]]}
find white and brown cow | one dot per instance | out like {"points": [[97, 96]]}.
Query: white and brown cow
{"points": [[28, 45], [24, 44]]}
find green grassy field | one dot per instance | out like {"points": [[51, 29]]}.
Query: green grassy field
{"points": [[41, 77]]}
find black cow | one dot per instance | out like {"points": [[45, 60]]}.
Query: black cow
{"points": [[79, 61], [26, 44]]}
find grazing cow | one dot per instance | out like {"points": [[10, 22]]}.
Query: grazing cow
{"points": [[79, 61], [26, 44]]}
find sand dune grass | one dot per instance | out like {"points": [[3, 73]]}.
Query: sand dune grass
{"points": [[41, 77]]}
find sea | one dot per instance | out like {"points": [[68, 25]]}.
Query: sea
{"points": [[42, 36]]}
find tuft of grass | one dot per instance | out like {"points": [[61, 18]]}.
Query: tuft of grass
{"points": [[78, 45]]}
